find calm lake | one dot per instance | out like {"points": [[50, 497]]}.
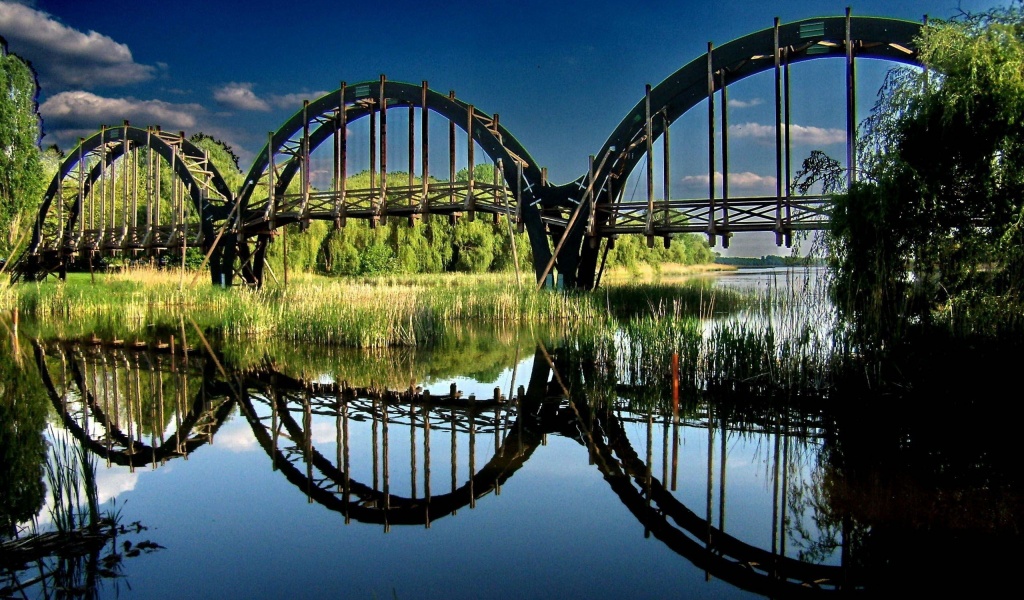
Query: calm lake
{"points": [[507, 463]]}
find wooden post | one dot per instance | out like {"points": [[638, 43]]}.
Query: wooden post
{"points": [[851, 105], [649, 134], [81, 186], [383, 152], [711, 148], [424, 163], [304, 165], [341, 150], [451, 154], [373, 154], [125, 178], [412, 149], [788, 219], [271, 182], [725, 156], [470, 201], [103, 184], [666, 168], [778, 135]]}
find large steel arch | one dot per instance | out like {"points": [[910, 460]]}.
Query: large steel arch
{"points": [[60, 233], [264, 203], [769, 49]]}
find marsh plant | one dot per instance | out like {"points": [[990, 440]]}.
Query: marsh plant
{"points": [[82, 547], [71, 479], [407, 310]]}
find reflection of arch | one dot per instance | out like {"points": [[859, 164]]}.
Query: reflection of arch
{"points": [[331, 485], [267, 398], [669, 520], [195, 426], [108, 164], [287, 153], [707, 547]]}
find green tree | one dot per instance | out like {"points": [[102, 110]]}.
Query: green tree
{"points": [[21, 171], [936, 218], [223, 157], [23, 411]]}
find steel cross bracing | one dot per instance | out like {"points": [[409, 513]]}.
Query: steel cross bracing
{"points": [[146, 193]]}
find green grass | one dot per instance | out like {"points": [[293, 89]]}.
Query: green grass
{"points": [[414, 310]]}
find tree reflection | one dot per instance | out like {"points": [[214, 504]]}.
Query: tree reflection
{"points": [[23, 412]]}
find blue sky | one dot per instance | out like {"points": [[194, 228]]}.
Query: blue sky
{"points": [[561, 75]]}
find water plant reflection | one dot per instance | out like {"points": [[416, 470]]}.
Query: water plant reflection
{"points": [[859, 496]]}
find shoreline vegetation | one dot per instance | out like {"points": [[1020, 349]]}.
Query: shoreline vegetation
{"points": [[771, 340], [361, 312]]}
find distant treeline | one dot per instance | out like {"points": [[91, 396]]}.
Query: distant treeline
{"points": [[769, 261], [434, 244]]}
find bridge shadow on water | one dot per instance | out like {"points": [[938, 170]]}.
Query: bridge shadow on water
{"points": [[895, 506]]}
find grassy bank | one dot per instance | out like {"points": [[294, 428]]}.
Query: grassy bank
{"points": [[407, 310]]}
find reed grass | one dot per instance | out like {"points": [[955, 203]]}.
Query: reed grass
{"points": [[785, 343], [413, 310], [71, 478]]}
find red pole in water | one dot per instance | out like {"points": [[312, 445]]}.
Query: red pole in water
{"points": [[675, 384]]}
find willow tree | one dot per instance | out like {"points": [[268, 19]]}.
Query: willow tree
{"points": [[21, 171], [934, 225]]}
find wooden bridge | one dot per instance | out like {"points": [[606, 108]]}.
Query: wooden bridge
{"points": [[143, 192]]}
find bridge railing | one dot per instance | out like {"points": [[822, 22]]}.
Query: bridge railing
{"points": [[701, 215], [376, 204]]}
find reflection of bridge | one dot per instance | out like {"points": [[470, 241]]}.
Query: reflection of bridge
{"points": [[316, 435], [113, 399], [143, 192]]}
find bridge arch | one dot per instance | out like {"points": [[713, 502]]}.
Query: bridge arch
{"points": [[80, 216], [266, 204], [579, 214], [632, 140]]}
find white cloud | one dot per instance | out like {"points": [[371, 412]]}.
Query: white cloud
{"points": [[236, 436], [294, 101], [67, 114], [323, 433], [111, 483], [66, 58], [239, 96], [798, 134], [734, 103], [744, 180]]}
